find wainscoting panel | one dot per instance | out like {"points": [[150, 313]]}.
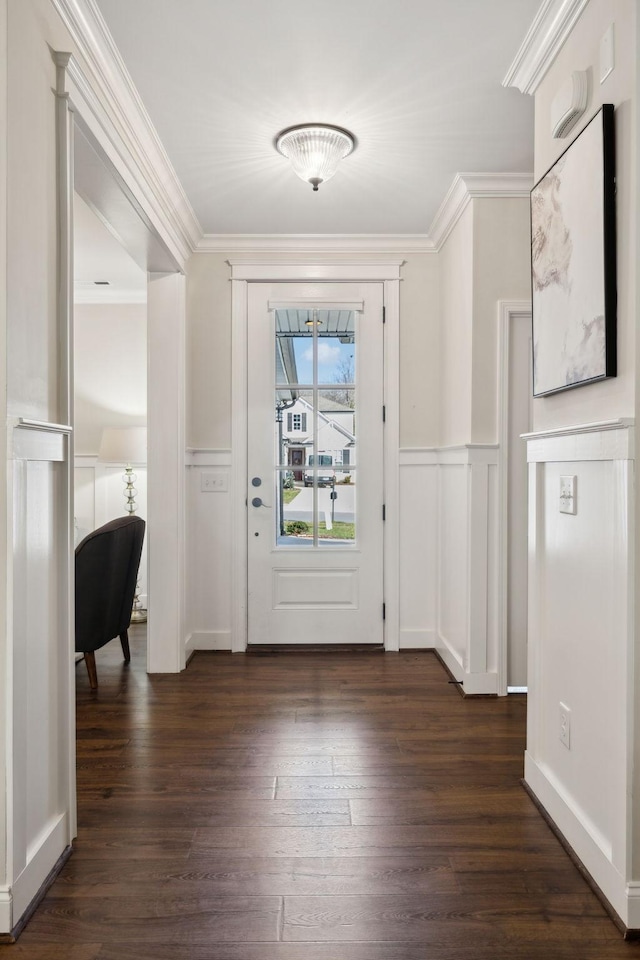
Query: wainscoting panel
{"points": [[448, 557], [581, 656], [38, 726], [418, 548], [468, 537], [209, 548]]}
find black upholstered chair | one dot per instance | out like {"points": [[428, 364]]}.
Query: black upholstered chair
{"points": [[107, 562]]}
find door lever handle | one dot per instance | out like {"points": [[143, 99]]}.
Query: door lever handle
{"points": [[257, 502]]}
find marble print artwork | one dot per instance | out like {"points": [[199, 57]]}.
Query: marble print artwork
{"points": [[568, 268]]}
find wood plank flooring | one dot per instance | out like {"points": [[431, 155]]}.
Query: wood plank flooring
{"points": [[320, 806]]}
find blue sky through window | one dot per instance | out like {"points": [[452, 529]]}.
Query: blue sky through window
{"points": [[331, 355]]}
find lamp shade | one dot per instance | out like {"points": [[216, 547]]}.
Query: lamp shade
{"points": [[315, 150], [123, 445]]}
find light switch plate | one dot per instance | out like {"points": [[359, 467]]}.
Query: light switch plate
{"points": [[568, 494], [214, 481], [607, 54]]}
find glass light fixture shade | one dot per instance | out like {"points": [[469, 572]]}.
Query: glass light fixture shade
{"points": [[315, 150]]}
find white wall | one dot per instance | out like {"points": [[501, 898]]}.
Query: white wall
{"points": [[420, 334], [456, 325], [37, 807], [209, 351], [5, 645], [582, 628], [449, 518], [209, 416], [501, 271], [110, 370], [110, 354], [581, 52], [485, 259]]}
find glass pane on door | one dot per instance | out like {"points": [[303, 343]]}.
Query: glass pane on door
{"points": [[315, 432]]}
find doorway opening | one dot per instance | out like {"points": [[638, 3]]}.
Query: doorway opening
{"points": [[110, 389]]}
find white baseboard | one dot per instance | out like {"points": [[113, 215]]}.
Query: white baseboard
{"points": [[417, 639], [473, 684], [208, 640], [43, 854], [6, 926], [588, 846]]}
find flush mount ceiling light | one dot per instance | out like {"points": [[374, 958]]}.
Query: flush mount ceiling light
{"points": [[315, 150]]}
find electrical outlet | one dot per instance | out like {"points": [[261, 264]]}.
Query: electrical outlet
{"points": [[565, 725], [213, 481]]}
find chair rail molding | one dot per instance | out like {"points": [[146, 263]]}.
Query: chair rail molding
{"points": [[601, 440]]}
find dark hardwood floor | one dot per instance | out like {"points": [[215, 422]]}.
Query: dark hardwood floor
{"points": [[321, 806]]}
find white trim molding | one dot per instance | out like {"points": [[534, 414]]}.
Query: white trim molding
{"points": [[264, 269], [471, 186], [259, 269], [218, 640], [6, 909], [207, 457], [412, 638], [545, 38], [293, 243], [468, 530], [42, 854], [508, 312], [127, 120], [603, 440]]}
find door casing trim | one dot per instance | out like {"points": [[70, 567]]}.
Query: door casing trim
{"points": [[508, 312], [323, 269]]}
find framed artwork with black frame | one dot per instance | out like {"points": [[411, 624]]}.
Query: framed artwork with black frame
{"points": [[573, 263]]}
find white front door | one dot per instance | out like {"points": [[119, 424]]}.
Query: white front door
{"points": [[315, 384]]}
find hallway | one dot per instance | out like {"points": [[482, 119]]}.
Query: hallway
{"points": [[306, 806]]}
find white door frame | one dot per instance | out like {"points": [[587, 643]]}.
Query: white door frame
{"points": [[508, 312], [351, 270], [166, 453]]}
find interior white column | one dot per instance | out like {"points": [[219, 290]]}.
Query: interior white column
{"points": [[165, 464]]}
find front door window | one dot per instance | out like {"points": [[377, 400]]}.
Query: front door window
{"points": [[315, 410]]}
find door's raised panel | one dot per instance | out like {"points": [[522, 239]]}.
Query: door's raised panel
{"points": [[315, 589]]}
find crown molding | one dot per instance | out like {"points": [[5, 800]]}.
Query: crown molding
{"points": [[471, 186], [112, 83], [545, 38], [315, 267], [304, 243], [465, 187]]}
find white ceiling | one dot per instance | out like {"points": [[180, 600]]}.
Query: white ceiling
{"points": [[417, 81]]}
